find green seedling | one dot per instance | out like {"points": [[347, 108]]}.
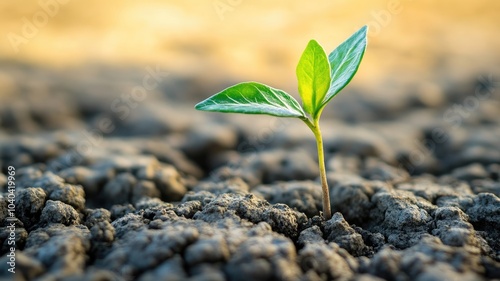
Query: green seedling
{"points": [[320, 78]]}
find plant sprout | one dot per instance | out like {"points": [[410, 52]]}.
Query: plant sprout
{"points": [[320, 78]]}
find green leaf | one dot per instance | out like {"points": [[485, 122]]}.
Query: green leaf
{"points": [[253, 98], [344, 62], [313, 75]]}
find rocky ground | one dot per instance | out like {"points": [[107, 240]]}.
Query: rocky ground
{"points": [[173, 194]]}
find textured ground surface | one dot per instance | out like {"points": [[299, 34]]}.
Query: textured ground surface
{"points": [[174, 194]]}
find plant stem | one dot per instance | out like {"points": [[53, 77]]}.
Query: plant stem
{"points": [[327, 213]]}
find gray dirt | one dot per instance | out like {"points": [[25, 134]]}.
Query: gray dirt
{"points": [[174, 194]]}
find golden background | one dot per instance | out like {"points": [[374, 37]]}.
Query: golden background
{"points": [[410, 42]]}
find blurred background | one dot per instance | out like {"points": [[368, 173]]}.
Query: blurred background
{"points": [[252, 40], [69, 65]]}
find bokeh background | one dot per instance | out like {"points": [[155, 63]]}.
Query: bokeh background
{"points": [[63, 64], [255, 40]]}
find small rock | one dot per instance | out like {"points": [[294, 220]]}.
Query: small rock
{"points": [[59, 212], [29, 205], [485, 210], [325, 261], [188, 209], [339, 231], [453, 227], [264, 258], [70, 194], [94, 216], [127, 224], [310, 235], [102, 232], [401, 211], [169, 183]]}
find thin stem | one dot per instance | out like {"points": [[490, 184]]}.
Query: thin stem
{"points": [[327, 213]]}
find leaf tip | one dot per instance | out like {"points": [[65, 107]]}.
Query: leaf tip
{"points": [[199, 106], [314, 44], [364, 31]]}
